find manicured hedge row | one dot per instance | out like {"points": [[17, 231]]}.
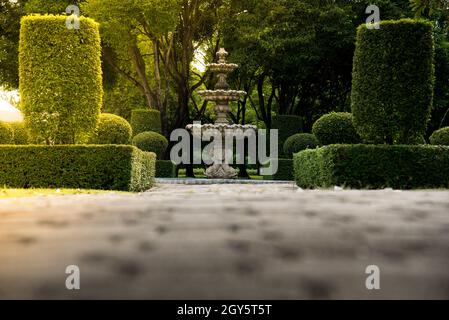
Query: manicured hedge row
{"points": [[373, 167], [393, 79], [123, 168], [165, 169], [285, 171]]}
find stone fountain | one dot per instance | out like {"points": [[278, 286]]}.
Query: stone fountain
{"points": [[222, 96]]}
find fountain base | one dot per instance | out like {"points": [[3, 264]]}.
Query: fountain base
{"points": [[221, 171]]}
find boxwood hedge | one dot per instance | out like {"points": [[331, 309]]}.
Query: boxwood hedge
{"points": [[21, 135], [6, 133], [373, 167], [112, 129], [60, 78], [285, 171], [393, 79], [440, 137], [165, 169], [287, 126], [144, 120], [299, 142], [335, 128], [151, 142], [123, 168]]}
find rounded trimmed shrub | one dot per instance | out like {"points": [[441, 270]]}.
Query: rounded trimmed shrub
{"points": [[151, 142], [393, 81], [146, 120], [287, 126], [440, 137], [300, 142], [112, 129], [60, 77], [6, 133], [335, 128], [21, 135]]}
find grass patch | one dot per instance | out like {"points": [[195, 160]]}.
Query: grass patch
{"points": [[6, 193]]}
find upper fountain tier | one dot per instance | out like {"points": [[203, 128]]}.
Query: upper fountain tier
{"points": [[221, 91]]}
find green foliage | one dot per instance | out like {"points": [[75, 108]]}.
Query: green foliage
{"points": [[47, 6], [299, 142], [86, 167], [121, 97], [112, 129], [440, 137], [151, 142], [21, 135], [6, 133], [144, 120], [440, 112], [165, 169], [303, 47], [335, 128], [373, 167], [393, 81], [10, 13], [285, 171], [60, 78], [287, 126]]}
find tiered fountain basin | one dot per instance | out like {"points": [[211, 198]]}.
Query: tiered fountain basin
{"points": [[222, 67], [222, 95]]}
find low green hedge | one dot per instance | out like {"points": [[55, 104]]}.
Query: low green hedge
{"points": [[151, 142], [335, 128], [122, 168], [21, 135], [165, 169], [373, 167], [440, 137], [143, 120], [299, 142], [112, 129], [285, 171], [6, 133]]}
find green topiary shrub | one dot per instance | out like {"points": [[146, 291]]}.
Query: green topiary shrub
{"points": [[440, 137], [287, 126], [151, 142], [393, 80], [145, 120], [165, 169], [335, 128], [21, 135], [6, 133], [299, 142], [60, 78], [285, 171], [112, 129], [86, 167], [373, 167]]}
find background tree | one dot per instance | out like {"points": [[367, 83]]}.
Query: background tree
{"points": [[153, 45], [10, 14]]}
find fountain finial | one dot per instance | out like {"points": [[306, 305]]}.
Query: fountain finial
{"points": [[222, 54]]}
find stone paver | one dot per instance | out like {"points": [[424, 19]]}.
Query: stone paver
{"points": [[227, 242]]}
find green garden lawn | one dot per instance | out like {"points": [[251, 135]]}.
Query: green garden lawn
{"points": [[22, 193]]}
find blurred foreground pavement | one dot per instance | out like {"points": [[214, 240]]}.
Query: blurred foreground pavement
{"points": [[227, 242]]}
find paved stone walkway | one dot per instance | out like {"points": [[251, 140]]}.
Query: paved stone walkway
{"points": [[227, 242]]}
